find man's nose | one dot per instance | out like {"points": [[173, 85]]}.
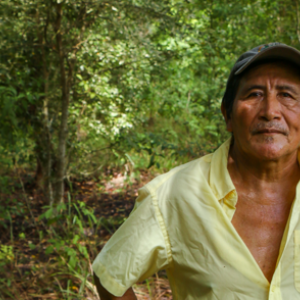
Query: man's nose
{"points": [[270, 107]]}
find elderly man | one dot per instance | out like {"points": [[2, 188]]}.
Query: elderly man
{"points": [[225, 226]]}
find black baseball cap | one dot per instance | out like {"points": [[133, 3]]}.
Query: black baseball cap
{"points": [[264, 52]]}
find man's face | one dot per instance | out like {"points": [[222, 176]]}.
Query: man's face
{"points": [[265, 118]]}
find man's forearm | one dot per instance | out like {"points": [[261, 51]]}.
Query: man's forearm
{"points": [[105, 295]]}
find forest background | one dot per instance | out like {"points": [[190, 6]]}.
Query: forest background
{"points": [[96, 98]]}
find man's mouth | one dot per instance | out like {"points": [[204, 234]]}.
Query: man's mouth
{"points": [[270, 128], [270, 131]]}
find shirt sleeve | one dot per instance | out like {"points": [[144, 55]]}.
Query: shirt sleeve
{"points": [[136, 250]]}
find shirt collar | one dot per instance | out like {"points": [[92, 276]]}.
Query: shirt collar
{"points": [[220, 180]]}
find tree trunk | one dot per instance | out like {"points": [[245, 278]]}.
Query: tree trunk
{"points": [[65, 81], [46, 144], [48, 161], [38, 177], [61, 157]]}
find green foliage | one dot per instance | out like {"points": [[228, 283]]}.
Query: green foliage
{"points": [[147, 74], [64, 237], [175, 89], [74, 220], [6, 253]]}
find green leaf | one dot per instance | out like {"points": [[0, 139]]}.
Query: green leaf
{"points": [[72, 262], [75, 239], [31, 246], [49, 250]]}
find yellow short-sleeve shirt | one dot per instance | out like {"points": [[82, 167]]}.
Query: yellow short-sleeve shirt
{"points": [[182, 223]]}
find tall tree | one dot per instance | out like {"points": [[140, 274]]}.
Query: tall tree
{"points": [[47, 37]]}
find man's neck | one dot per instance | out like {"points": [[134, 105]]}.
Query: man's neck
{"points": [[263, 176]]}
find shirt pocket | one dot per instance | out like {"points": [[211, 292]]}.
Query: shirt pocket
{"points": [[297, 259]]}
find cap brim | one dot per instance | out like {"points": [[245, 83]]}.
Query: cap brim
{"points": [[275, 52]]}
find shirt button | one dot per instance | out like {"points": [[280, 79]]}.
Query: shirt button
{"points": [[273, 288]]}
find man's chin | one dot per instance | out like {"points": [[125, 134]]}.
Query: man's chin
{"points": [[269, 150]]}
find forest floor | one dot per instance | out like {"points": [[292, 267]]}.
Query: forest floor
{"points": [[47, 255]]}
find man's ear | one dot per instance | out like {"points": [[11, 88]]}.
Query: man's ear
{"points": [[227, 119]]}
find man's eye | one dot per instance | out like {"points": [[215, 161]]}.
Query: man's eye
{"points": [[254, 94], [286, 95]]}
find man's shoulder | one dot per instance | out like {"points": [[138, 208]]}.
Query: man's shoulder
{"points": [[183, 177]]}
